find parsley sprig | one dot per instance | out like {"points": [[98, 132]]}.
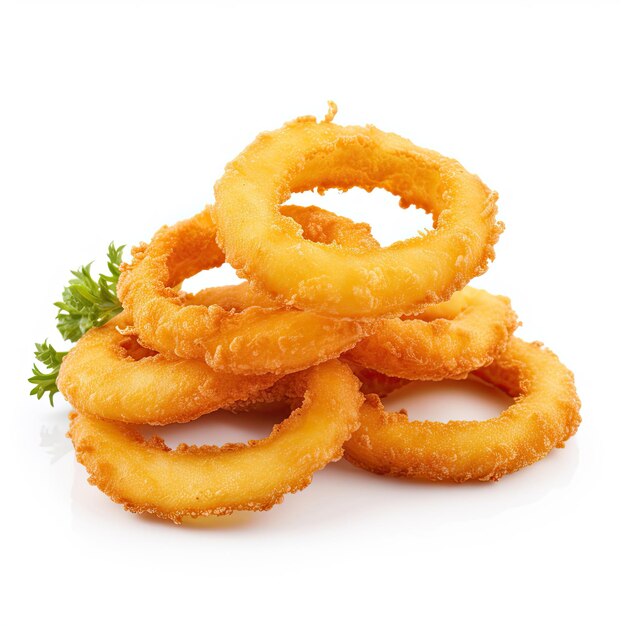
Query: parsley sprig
{"points": [[46, 382], [85, 303]]}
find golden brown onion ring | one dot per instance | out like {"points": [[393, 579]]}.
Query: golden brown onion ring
{"points": [[376, 382], [544, 415], [276, 397], [395, 280], [254, 340], [329, 229], [148, 477], [447, 340], [106, 374]]}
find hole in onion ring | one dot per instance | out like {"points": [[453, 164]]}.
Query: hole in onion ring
{"points": [[215, 277], [219, 428], [448, 400], [378, 208]]}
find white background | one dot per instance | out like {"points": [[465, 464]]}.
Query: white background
{"points": [[118, 117]]}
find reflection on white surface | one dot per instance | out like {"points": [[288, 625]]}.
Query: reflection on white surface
{"points": [[54, 441], [342, 494]]}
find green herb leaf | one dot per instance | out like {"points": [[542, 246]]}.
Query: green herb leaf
{"points": [[46, 381], [85, 303]]}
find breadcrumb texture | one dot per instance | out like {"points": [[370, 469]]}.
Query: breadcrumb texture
{"points": [[447, 340], [148, 477], [258, 339], [109, 375], [545, 413], [399, 279]]}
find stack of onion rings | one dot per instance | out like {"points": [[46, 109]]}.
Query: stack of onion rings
{"points": [[320, 290], [253, 339]]}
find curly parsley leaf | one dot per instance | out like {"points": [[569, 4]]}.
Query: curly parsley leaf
{"points": [[46, 381], [85, 303]]}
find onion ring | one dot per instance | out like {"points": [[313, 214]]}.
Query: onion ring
{"points": [[395, 280], [255, 340], [148, 477], [108, 375], [276, 397], [376, 382], [545, 414], [447, 340]]}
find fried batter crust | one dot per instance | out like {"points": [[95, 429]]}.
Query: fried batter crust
{"points": [[447, 340], [148, 477], [544, 415], [107, 375], [399, 279], [254, 340], [373, 381]]}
